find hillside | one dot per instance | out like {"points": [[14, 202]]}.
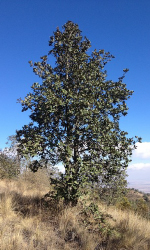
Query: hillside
{"points": [[31, 220]]}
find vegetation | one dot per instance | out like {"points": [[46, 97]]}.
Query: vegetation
{"points": [[29, 219], [75, 115], [9, 166]]}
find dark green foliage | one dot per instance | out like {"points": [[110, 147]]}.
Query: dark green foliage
{"points": [[75, 114], [34, 166]]}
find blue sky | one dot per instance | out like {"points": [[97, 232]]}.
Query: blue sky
{"points": [[121, 27]]}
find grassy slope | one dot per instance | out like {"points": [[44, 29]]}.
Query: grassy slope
{"points": [[29, 221]]}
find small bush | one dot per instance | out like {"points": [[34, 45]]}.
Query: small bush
{"points": [[124, 204], [142, 208]]}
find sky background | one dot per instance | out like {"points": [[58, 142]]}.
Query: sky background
{"points": [[120, 27]]}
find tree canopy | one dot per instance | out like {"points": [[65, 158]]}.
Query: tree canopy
{"points": [[75, 114]]}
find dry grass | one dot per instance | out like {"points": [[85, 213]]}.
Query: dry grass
{"points": [[22, 224], [74, 231], [29, 221], [29, 183], [131, 230]]}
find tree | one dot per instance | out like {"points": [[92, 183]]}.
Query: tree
{"points": [[8, 167], [75, 114], [11, 149], [9, 159]]}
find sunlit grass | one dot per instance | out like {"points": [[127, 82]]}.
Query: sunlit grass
{"points": [[30, 221]]}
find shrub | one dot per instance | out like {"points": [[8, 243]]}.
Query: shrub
{"points": [[9, 167], [124, 204]]}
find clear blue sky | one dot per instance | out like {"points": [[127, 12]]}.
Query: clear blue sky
{"points": [[121, 27]]}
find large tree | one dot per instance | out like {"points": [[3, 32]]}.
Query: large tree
{"points": [[75, 113]]}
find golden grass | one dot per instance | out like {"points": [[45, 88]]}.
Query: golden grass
{"points": [[27, 221], [73, 230], [21, 218], [133, 232]]}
